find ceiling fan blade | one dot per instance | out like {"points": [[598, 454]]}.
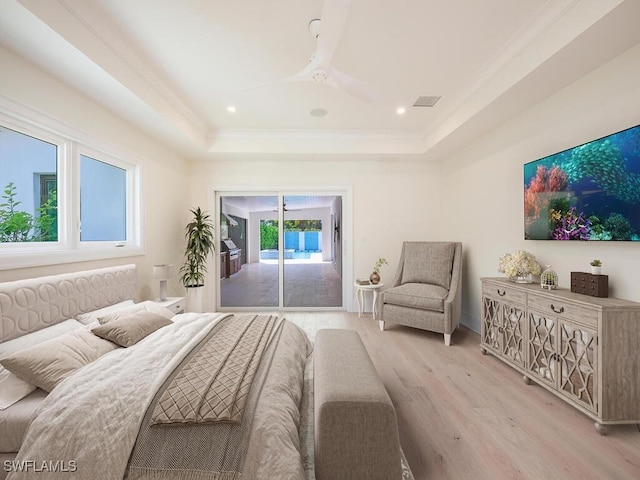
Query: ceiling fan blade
{"points": [[333, 20], [353, 86], [260, 85], [318, 70], [306, 74]]}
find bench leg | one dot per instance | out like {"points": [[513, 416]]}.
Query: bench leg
{"points": [[381, 324], [447, 339]]}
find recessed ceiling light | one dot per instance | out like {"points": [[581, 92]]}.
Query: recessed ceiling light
{"points": [[231, 109], [318, 112], [401, 110]]}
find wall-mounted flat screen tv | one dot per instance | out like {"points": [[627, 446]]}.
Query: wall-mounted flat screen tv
{"points": [[589, 192]]}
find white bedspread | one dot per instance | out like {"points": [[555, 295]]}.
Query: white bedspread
{"points": [[88, 424], [86, 427]]}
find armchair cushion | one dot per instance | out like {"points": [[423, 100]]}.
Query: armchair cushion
{"points": [[417, 295], [429, 264]]}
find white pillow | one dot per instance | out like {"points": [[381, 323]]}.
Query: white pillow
{"points": [[13, 388], [124, 312], [48, 363], [90, 317]]}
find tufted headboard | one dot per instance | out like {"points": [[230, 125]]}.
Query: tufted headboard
{"points": [[36, 303]]}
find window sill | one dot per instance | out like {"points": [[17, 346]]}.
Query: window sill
{"points": [[12, 260]]}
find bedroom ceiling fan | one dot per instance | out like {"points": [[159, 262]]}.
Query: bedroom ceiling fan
{"points": [[285, 209], [327, 31]]}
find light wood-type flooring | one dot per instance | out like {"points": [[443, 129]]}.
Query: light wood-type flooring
{"points": [[466, 416]]}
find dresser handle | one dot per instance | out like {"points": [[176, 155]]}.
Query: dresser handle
{"points": [[560, 310], [502, 294]]}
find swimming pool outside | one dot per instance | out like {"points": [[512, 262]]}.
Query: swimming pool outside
{"points": [[291, 256]]}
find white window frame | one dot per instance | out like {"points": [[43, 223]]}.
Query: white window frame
{"points": [[71, 144], [132, 205]]}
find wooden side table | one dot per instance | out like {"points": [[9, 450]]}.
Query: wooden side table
{"points": [[360, 289]]}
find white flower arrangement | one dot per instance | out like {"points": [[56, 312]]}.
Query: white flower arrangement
{"points": [[519, 264]]}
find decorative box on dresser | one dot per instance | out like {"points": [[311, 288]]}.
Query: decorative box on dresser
{"points": [[584, 349]]}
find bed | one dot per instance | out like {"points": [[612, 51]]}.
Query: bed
{"points": [[97, 386], [137, 399]]}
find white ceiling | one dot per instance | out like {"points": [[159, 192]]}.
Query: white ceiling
{"points": [[173, 67]]}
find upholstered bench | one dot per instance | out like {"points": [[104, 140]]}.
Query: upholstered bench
{"points": [[356, 431]]}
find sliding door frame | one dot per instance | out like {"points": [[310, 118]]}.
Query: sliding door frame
{"points": [[345, 237]]}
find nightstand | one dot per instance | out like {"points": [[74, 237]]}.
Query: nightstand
{"points": [[175, 304]]}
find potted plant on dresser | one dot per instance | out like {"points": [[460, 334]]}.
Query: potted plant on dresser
{"points": [[199, 233]]}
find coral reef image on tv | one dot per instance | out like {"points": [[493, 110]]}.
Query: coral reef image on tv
{"points": [[589, 192]]}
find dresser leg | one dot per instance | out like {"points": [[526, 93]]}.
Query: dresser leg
{"points": [[526, 380], [483, 350], [600, 428]]}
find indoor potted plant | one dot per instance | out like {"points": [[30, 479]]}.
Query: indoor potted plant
{"points": [[596, 267], [375, 276], [199, 233]]}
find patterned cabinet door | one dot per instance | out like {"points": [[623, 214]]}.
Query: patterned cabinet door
{"points": [[578, 364], [542, 348], [491, 323], [512, 333]]}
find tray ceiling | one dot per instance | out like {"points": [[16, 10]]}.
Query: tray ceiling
{"points": [[174, 68]]}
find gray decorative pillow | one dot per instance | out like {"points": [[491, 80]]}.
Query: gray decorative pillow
{"points": [[48, 363], [125, 312], [130, 329], [90, 317], [428, 263]]}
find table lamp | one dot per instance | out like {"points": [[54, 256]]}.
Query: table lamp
{"points": [[162, 273]]}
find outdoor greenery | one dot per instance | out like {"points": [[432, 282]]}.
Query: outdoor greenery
{"points": [[199, 234], [21, 226], [269, 235], [303, 225], [269, 230]]}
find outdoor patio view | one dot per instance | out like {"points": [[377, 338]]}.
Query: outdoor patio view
{"points": [[301, 272], [302, 240]]}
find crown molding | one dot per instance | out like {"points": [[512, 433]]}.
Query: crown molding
{"points": [[314, 141], [89, 30]]}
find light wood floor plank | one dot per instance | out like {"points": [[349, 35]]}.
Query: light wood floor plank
{"points": [[463, 415]]}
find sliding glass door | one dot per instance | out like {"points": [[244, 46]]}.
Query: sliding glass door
{"points": [[309, 269], [249, 251], [279, 251]]}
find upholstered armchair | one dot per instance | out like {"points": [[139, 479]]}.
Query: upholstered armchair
{"points": [[426, 291]]}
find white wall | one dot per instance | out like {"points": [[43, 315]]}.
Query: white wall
{"points": [[482, 186], [391, 200], [164, 181]]}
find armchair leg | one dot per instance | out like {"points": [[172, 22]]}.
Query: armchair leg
{"points": [[381, 324], [447, 339]]}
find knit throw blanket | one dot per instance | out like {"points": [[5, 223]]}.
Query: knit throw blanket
{"points": [[206, 406]]}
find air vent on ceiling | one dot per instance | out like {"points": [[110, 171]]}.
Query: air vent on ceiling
{"points": [[426, 101]]}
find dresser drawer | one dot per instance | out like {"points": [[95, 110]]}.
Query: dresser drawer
{"points": [[504, 293], [558, 308]]}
